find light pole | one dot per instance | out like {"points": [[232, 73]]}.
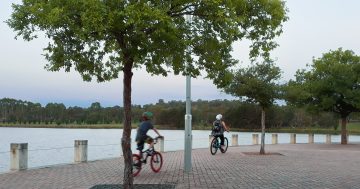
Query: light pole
{"points": [[188, 135]]}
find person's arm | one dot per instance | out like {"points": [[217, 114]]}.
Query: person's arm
{"points": [[226, 128], [156, 131]]}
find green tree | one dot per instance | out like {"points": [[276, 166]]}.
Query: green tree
{"points": [[100, 38], [95, 114], [257, 84], [332, 84], [55, 112]]}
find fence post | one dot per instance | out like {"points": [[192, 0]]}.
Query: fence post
{"points": [[292, 138], [80, 151], [255, 138], [18, 156], [311, 138], [328, 139], [274, 138], [159, 146], [234, 140]]}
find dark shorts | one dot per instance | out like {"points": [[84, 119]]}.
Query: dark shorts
{"points": [[140, 142]]}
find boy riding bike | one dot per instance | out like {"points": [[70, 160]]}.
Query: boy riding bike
{"points": [[141, 135]]}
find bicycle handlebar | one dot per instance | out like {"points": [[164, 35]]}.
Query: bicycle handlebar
{"points": [[158, 137]]}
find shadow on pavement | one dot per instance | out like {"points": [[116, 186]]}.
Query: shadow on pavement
{"points": [[136, 186]]}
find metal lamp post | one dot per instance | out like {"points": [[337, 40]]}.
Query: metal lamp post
{"points": [[188, 135]]}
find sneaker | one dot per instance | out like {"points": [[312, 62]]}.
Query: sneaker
{"points": [[222, 148], [143, 160], [138, 164]]}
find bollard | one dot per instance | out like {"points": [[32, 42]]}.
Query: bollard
{"points": [[311, 138], [234, 140], [328, 139], [292, 138], [159, 146], [255, 138], [274, 138], [80, 151], [18, 156]]}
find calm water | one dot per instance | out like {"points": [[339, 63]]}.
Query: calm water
{"points": [[56, 146]]}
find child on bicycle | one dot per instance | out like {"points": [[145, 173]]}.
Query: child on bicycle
{"points": [[141, 135], [219, 128]]}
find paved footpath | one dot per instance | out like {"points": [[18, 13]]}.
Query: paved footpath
{"points": [[295, 166]]}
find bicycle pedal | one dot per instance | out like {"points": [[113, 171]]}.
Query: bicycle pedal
{"points": [[138, 164]]}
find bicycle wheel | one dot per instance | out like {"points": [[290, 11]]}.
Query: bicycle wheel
{"points": [[136, 168], [214, 145], [226, 144], [156, 162]]}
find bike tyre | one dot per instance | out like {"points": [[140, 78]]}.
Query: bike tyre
{"points": [[136, 159], [226, 144], [213, 146], [156, 162]]}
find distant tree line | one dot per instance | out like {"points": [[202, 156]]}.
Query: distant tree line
{"points": [[170, 114]]}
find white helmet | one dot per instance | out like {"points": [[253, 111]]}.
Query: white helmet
{"points": [[218, 117]]}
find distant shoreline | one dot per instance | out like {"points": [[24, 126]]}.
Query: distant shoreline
{"points": [[119, 126]]}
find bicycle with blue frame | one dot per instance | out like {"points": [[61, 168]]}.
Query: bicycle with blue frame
{"points": [[156, 160], [216, 143]]}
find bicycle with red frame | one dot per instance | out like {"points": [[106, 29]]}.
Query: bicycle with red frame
{"points": [[156, 160]]}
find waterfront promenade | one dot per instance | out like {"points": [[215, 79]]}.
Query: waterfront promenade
{"points": [[289, 166]]}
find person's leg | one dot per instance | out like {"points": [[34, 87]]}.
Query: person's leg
{"points": [[150, 141], [221, 139], [140, 146]]}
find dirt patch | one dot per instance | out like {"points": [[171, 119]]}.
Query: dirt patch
{"points": [[258, 153]]}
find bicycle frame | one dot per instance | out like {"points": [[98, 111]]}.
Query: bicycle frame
{"points": [[216, 144]]}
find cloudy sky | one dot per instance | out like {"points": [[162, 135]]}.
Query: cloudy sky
{"points": [[314, 28]]}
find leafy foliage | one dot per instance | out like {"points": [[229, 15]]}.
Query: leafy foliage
{"points": [[97, 38]]}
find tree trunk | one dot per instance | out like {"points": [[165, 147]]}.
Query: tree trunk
{"points": [[262, 148], [126, 137], [343, 131]]}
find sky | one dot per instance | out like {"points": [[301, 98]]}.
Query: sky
{"points": [[314, 27]]}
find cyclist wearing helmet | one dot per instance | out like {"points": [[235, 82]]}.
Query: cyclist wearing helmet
{"points": [[141, 135], [219, 127]]}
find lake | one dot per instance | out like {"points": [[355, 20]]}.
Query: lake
{"points": [[48, 146]]}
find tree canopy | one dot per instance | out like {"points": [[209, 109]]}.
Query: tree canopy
{"points": [[97, 38], [256, 83]]}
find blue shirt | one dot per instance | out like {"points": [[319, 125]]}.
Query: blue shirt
{"points": [[144, 127]]}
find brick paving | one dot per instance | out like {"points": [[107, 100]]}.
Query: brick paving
{"points": [[297, 166]]}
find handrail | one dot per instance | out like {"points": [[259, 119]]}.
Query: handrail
{"points": [[44, 149]]}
